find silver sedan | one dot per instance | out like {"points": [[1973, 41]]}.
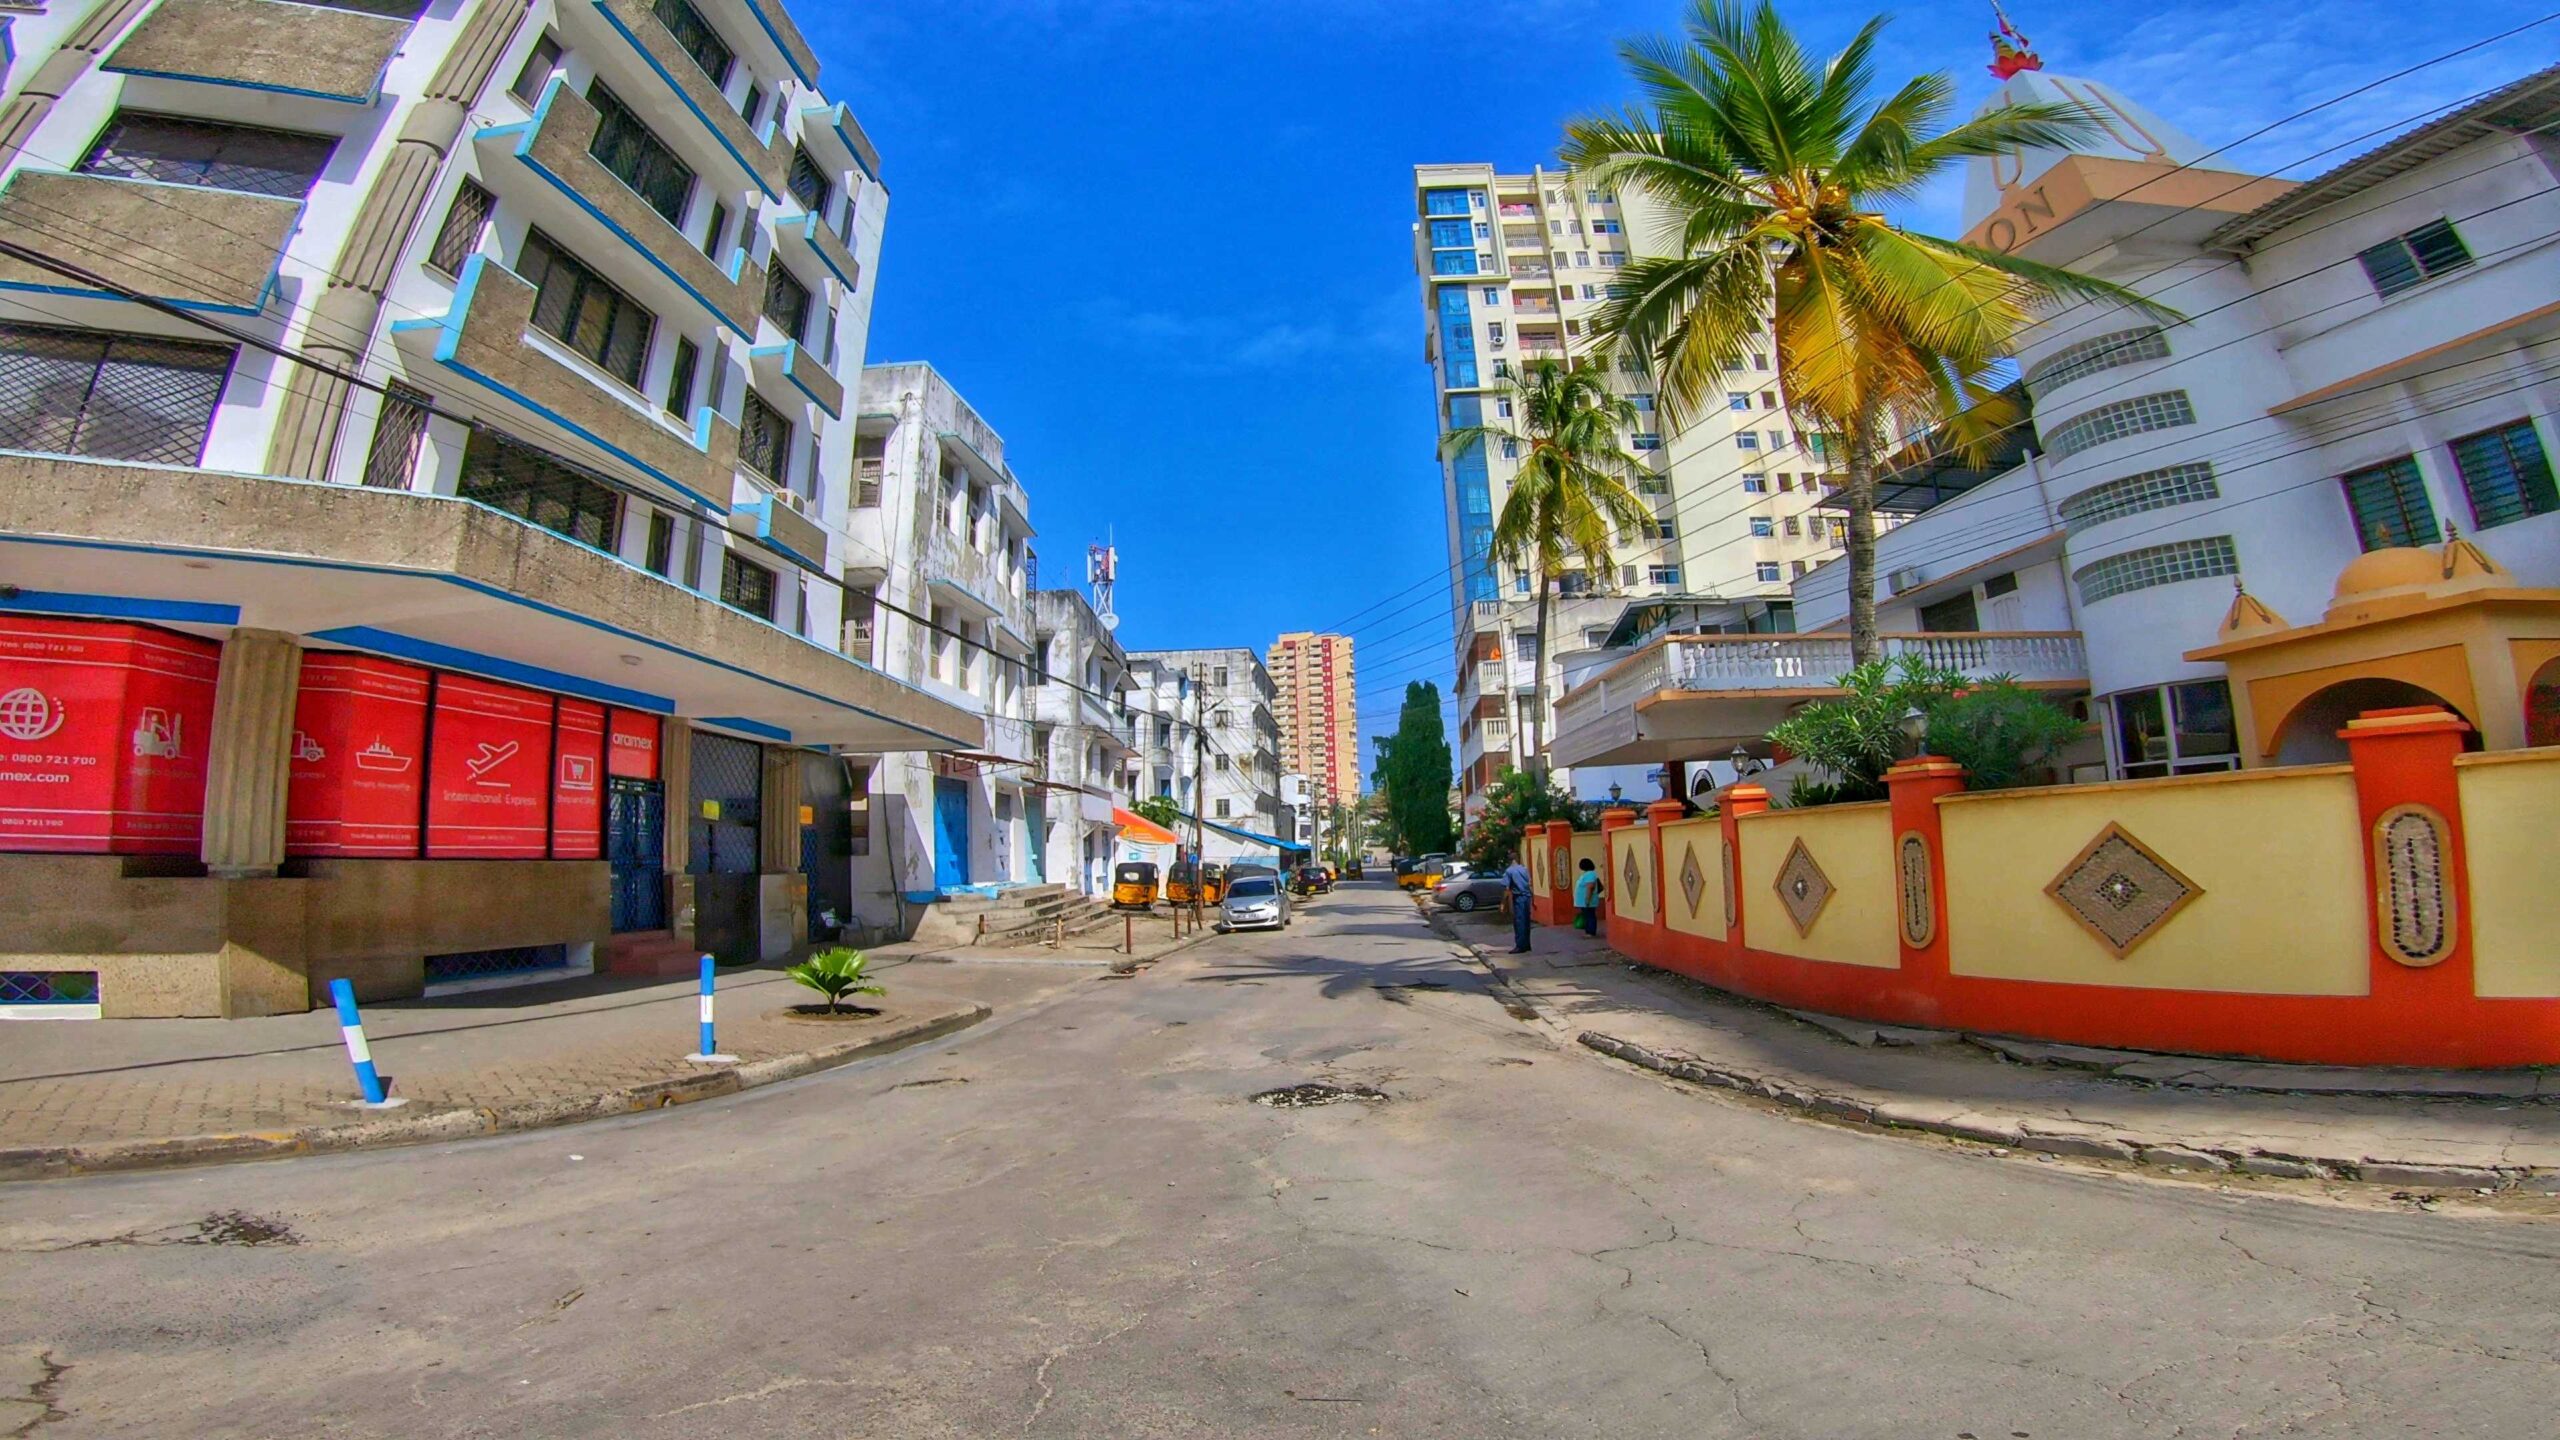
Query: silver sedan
{"points": [[1469, 892], [1256, 902]]}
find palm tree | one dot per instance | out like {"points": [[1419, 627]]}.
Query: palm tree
{"points": [[1771, 168], [1570, 497]]}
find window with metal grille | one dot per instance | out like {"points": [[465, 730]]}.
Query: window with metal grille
{"points": [[2506, 474], [808, 183], [525, 482], [394, 457], [680, 378], [537, 69], [718, 227], [2124, 417], [637, 157], [2156, 565], [2150, 490], [1662, 575], [786, 301], [464, 223], [764, 440], [696, 38], [582, 310], [2413, 259], [746, 585], [48, 987], [662, 543], [209, 155], [112, 397], [2390, 506], [2089, 357], [753, 105]]}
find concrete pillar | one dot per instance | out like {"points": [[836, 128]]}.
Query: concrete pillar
{"points": [[1739, 801], [1920, 861], [675, 774], [2409, 801], [778, 818], [1558, 881], [250, 753]]}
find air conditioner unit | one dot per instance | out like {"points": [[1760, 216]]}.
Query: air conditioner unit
{"points": [[1906, 578], [792, 499]]}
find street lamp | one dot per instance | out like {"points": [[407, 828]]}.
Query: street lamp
{"points": [[1915, 728], [1616, 793], [1746, 764]]}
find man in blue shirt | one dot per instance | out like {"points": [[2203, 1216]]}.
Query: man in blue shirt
{"points": [[1515, 888]]}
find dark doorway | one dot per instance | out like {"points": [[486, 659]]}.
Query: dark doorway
{"points": [[636, 844], [826, 845], [727, 803]]}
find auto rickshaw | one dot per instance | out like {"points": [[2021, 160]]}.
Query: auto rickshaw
{"points": [[1421, 875], [1213, 883], [1182, 883], [1133, 885]]}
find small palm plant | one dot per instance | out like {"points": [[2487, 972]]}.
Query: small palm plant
{"points": [[836, 974]]}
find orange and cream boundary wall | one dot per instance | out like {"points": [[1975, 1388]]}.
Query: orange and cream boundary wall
{"points": [[2402, 909]]}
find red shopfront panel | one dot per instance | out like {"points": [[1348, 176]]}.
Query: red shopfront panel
{"points": [[105, 731], [488, 772], [359, 758], [632, 753], [577, 783]]}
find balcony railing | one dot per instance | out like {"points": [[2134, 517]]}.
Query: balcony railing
{"points": [[1604, 706]]}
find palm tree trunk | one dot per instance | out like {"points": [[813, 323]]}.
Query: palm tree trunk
{"points": [[1538, 680], [1861, 497]]}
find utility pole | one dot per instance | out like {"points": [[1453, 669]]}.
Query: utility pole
{"points": [[1199, 783], [1316, 841]]}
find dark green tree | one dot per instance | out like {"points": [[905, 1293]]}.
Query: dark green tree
{"points": [[1160, 809], [1412, 775], [1514, 803]]}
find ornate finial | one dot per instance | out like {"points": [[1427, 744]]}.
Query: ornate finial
{"points": [[2011, 51]]}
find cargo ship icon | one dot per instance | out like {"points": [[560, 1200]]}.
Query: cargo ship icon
{"points": [[381, 757]]}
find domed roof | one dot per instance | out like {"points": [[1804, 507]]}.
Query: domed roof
{"points": [[2400, 567]]}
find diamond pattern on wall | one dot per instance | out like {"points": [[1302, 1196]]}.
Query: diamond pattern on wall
{"points": [[1693, 877], [1803, 888], [2121, 891], [1633, 874]]}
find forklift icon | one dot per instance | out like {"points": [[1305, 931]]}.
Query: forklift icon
{"points": [[159, 735]]}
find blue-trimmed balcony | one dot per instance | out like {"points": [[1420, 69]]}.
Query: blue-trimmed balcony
{"points": [[775, 520], [542, 165], [210, 250], [485, 355], [788, 369], [773, 27], [634, 53], [273, 46], [807, 236], [826, 128], [436, 580]]}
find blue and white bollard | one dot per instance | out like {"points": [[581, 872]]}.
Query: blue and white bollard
{"points": [[351, 1025], [710, 1052]]}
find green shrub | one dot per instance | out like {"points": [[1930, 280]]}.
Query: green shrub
{"points": [[836, 974], [2001, 732], [1512, 804]]}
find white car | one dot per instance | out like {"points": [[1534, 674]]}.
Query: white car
{"points": [[1256, 902]]}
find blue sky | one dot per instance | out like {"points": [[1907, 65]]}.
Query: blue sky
{"points": [[1164, 245]]}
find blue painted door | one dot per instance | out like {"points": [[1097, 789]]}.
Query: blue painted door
{"points": [[950, 833]]}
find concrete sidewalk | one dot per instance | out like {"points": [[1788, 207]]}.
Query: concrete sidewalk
{"points": [[2439, 1129], [80, 1096]]}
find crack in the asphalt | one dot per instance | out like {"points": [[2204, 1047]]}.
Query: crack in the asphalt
{"points": [[765, 1391], [42, 1394]]}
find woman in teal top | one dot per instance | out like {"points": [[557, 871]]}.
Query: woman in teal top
{"points": [[1586, 899]]}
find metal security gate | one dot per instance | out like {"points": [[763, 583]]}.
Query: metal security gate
{"points": [[727, 801], [635, 843], [826, 845]]}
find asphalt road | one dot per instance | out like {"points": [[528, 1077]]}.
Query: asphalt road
{"points": [[1072, 1221]]}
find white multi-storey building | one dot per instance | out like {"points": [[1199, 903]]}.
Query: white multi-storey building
{"points": [[1229, 776], [1083, 738], [2361, 370], [1515, 268], [940, 543], [424, 430]]}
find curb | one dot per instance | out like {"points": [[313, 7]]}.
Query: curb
{"points": [[41, 1162], [2080, 1141]]}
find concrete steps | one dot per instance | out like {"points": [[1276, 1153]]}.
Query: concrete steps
{"points": [[653, 954]]}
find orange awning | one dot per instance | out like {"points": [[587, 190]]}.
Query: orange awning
{"points": [[1143, 830]]}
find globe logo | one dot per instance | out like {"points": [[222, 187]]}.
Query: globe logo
{"points": [[27, 713]]}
